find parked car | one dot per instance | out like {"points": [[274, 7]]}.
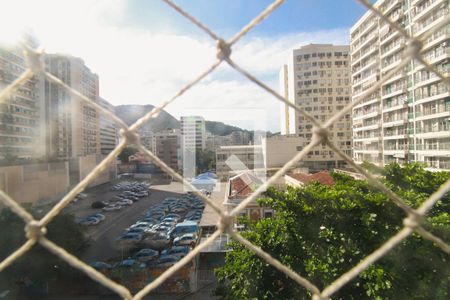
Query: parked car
{"points": [[137, 230], [180, 251], [146, 254], [112, 207], [164, 261], [89, 222], [126, 263], [124, 202], [97, 204], [99, 216], [186, 239], [99, 265], [156, 241]]}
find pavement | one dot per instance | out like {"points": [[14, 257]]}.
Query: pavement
{"points": [[102, 236]]}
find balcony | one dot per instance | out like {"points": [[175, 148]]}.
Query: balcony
{"points": [[424, 9], [393, 107], [366, 114], [439, 112], [367, 127], [395, 92]]}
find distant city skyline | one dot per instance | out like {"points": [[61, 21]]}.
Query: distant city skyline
{"points": [[144, 52]]}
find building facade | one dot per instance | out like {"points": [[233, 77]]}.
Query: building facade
{"points": [[317, 78], [21, 127], [279, 150], [108, 130], [193, 132], [407, 119], [166, 146], [72, 126], [231, 160]]}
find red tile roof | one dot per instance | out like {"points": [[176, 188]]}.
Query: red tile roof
{"points": [[323, 177], [243, 185]]}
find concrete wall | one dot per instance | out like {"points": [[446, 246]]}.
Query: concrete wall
{"points": [[35, 183], [89, 162], [280, 149]]}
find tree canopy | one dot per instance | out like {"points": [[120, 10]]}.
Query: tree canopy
{"points": [[323, 231], [38, 266]]}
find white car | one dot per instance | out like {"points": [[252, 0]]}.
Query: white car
{"points": [[111, 207], [124, 202], [186, 239], [146, 254]]}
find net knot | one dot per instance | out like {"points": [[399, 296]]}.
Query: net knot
{"points": [[130, 136], [413, 221], [320, 133], [223, 50], [34, 231], [34, 60], [225, 222], [414, 46]]}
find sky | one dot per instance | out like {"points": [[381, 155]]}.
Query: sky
{"points": [[144, 51]]}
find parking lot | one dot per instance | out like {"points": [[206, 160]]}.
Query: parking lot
{"points": [[105, 246]]}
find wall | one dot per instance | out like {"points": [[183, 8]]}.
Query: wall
{"points": [[38, 183], [280, 149], [35, 183]]}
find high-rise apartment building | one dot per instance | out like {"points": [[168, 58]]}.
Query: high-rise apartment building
{"points": [[317, 78], [166, 146], [407, 119], [73, 127], [21, 129], [193, 132], [108, 130]]}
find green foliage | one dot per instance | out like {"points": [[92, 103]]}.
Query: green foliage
{"points": [[205, 160], [126, 153], [321, 232], [372, 168], [38, 265], [219, 128]]}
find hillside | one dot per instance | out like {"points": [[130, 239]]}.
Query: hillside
{"points": [[130, 113], [219, 128]]}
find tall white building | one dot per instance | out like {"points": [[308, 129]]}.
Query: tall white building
{"points": [[108, 129], [193, 132], [72, 126], [22, 114], [407, 119], [317, 78]]}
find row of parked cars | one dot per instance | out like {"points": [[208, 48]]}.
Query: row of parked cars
{"points": [[92, 219], [163, 236], [130, 192]]}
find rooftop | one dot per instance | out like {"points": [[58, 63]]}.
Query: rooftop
{"points": [[322, 177], [243, 185]]}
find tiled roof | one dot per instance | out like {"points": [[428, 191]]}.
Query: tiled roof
{"points": [[323, 177], [243, 185]]}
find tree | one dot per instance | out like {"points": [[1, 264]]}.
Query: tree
{"points": [[126, 153], [38, 266], [205, 160], [321, 232]]}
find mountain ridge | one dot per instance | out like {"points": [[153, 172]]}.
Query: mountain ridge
{"points": [[130, 113]]}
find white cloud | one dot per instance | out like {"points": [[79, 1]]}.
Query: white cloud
{"points": [[136, 65]]}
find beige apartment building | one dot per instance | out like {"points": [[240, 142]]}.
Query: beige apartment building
{"points": [[232, 160], [166, 146], [21, 128], [108, 129], [407, 119], [317, 78], [73, 127]]}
